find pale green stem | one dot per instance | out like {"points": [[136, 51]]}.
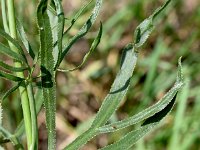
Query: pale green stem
{"points": [[33, 116], [4, 16], [22, 88]]}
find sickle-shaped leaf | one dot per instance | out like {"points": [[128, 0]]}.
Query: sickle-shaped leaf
{"points": [[94, 45], [83, 30], [47, 66]]}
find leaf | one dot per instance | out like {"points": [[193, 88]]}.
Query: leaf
{"points": [[7, 51], [57, 24], [47, 68], [113, 99], [76, 16], [132, 137], [11, 68], [14, 88], [24, 39], [9, 76], [15, 43], [83, 30], [154, 117], [148, 112], [95, 43], [145, 28]]}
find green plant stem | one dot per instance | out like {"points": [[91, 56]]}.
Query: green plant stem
{"points": [[22, 88], [33, 117], [4, 16]]}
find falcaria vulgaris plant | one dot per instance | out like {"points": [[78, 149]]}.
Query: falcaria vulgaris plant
{"points": [[51, 22]]}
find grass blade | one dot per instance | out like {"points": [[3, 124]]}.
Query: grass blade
{"points": [[47, 66], [84, 29], [95, 43]]}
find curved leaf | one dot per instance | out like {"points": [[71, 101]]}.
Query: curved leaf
{"points": [[14, 88], [113, 99], [83, 30], [132, 137], [94, 45], [152, 110], [153, 116], [76, 16]]}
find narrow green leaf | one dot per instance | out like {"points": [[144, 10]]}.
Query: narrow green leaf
{"points": [[76, 16], [11, 77], [7, 51], [15, 43], [58, 24], [113, 99], [145, 28], [132, 137], [148, 112], [83, 30], [11, 68], [14, 88], [154, 117], [24, 39], [94, 45], [47, 68]]}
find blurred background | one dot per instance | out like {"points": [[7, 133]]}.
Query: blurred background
{"points": [[80, 93]]}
